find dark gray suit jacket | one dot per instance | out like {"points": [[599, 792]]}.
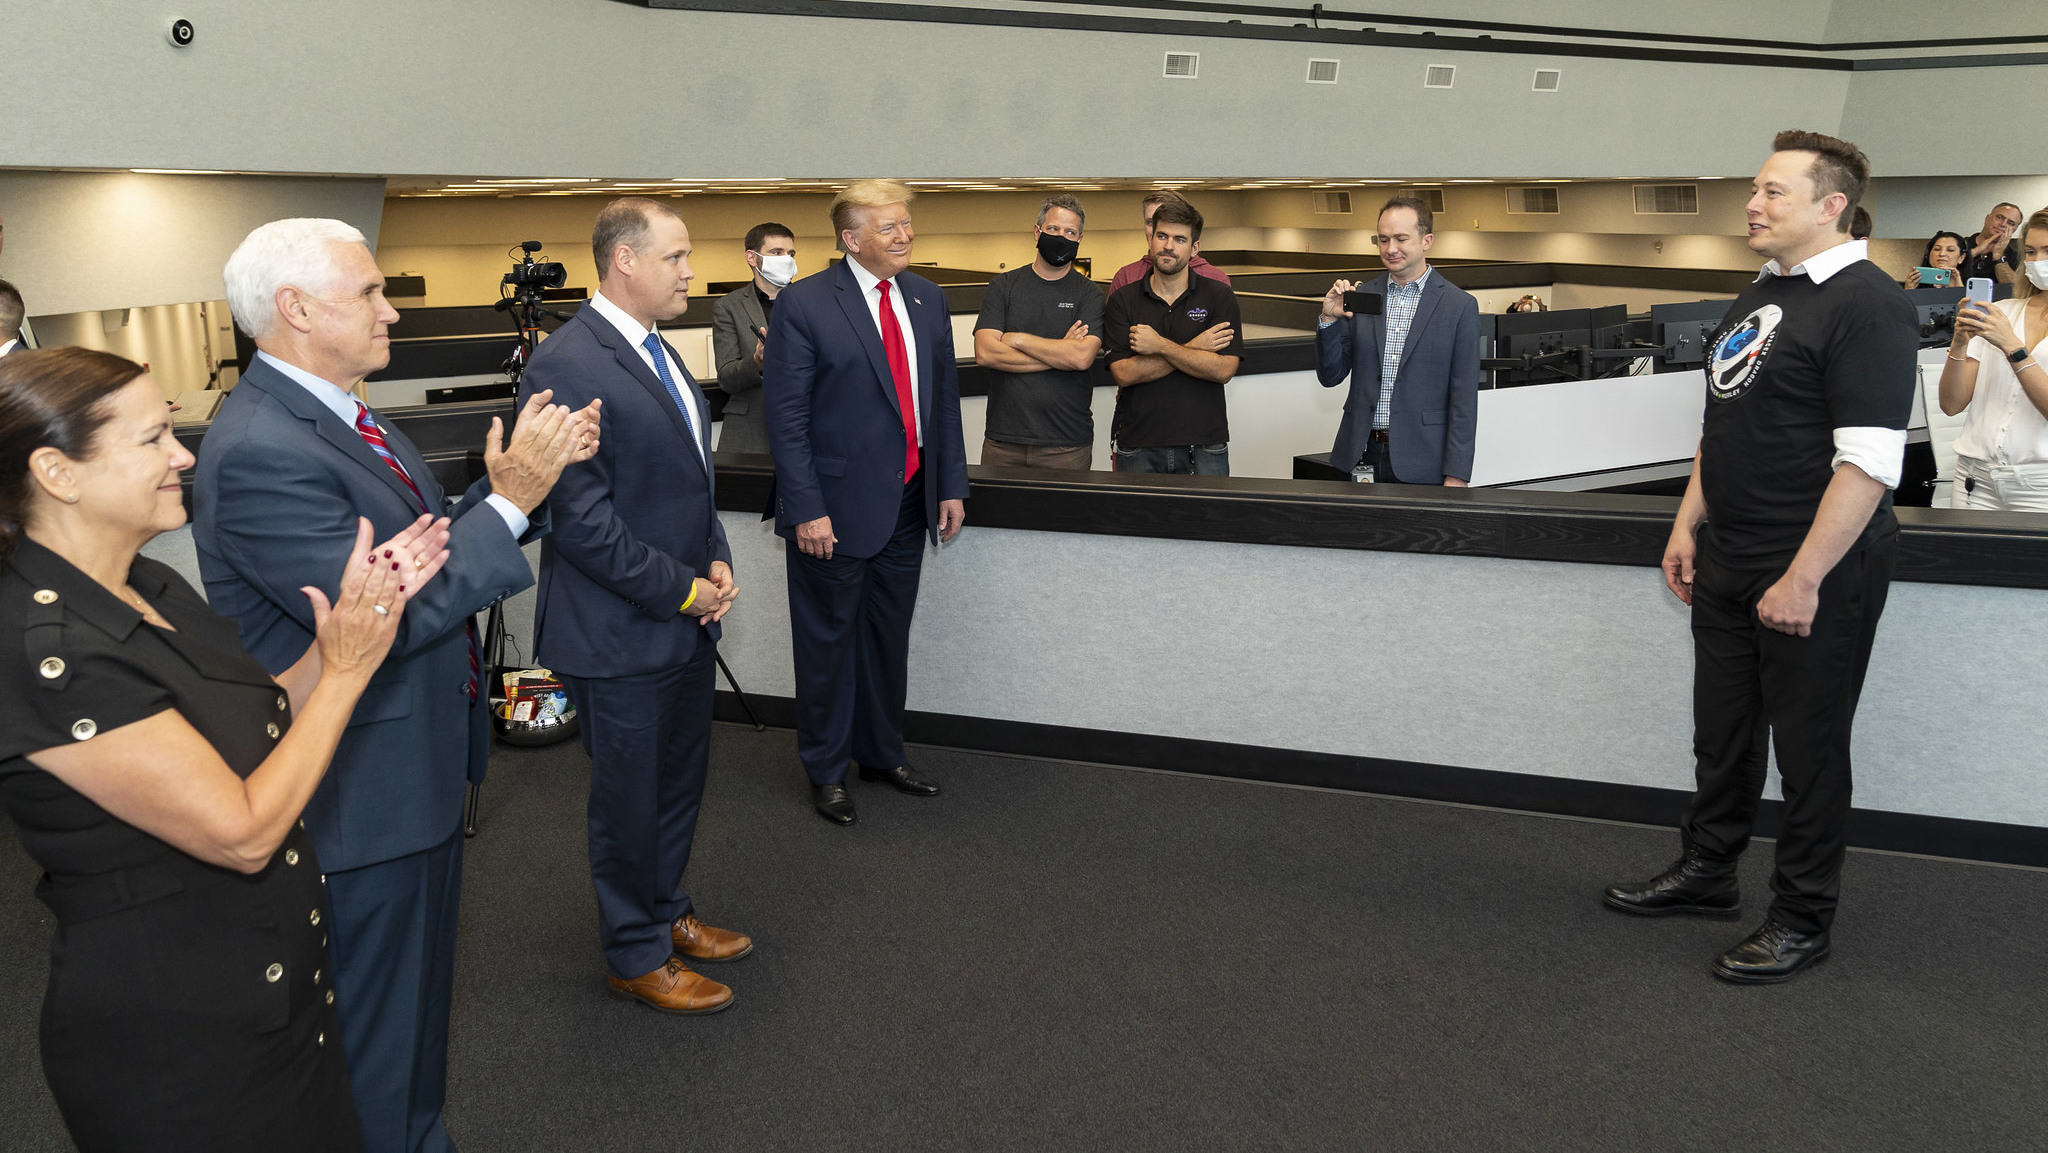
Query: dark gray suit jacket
{"points": [[1435, 412], [734, 319], [280, 483]]}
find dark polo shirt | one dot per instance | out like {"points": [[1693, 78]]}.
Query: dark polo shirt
{"points": [[1176, 409]]}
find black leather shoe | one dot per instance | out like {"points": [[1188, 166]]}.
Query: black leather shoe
{"points": [[1771, 954], [1693, 884], [903, 779], [833, 804]]}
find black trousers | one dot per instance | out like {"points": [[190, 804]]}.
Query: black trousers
{"points": [[849, 626], [1751, 684]]}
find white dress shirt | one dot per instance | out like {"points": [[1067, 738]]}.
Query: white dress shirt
{"points": [[342, 403], [637, 337], [901, 307], [8, 346], [1879, 452]]}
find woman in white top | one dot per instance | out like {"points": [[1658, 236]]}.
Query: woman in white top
{"points": [[1994, 371]]}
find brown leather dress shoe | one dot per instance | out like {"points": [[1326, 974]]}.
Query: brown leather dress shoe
{"points": [[674, 988], [700, 942]]}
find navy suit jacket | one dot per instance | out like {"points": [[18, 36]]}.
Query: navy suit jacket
{"points": [[834, 425], [280, 483], [1435, 414], [636, 524]]}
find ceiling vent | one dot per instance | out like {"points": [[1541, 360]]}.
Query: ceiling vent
{"points": [[1667, 200], [1331, 203], [1434, 197], [1439, 75], [1540, 201], [1547, 80], [1182, 65], [1322, 72]]}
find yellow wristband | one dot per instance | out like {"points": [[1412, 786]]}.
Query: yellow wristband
{"points": [[691, 599]]}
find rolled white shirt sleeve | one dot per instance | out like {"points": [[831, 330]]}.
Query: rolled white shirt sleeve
{"points": [[1879, 452], [517, 522]]}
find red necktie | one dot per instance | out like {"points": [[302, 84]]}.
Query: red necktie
{"points": [[899, 367], [374, 437]]}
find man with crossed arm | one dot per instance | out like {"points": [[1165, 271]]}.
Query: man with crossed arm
{"points": [[1174, 342]]}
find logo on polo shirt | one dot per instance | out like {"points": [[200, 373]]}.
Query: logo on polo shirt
{"points": [[1739, 354], [1198, 315], [1064, 304]]}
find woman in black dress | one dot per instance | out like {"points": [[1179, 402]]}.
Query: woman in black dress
{"points": [[156, 772]]}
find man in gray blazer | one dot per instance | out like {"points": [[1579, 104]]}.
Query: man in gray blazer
{"points": [[739, 333], [290, 462], [1414, 405]]}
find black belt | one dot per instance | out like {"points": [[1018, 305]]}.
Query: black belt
{"points": [[76, 899], [1379, 436]]}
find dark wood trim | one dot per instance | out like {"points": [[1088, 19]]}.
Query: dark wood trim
{"points": [[1524, 792], [1938, 546], [1305, 25]]}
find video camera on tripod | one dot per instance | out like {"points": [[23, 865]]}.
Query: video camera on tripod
{"points": [[521, 293]]}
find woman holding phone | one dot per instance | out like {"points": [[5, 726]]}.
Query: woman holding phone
{"points": [[1995, 378], [156, 773], [1945, 253]]}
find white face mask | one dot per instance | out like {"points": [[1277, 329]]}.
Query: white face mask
{"points": [[778, 270], [2037, 271]]}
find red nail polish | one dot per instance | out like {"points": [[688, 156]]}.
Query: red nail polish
{"points": [[401, 588], [387, 554], [394, 566]]}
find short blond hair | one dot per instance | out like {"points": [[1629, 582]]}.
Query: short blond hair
{"points": [[864, 194]]}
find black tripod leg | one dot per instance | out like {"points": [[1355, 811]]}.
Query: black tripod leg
{"points": [[738, 692], [469, 808]]}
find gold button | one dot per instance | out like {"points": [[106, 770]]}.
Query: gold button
{"points": [[84, 730], [46, 596], [51, 668], [273, 973], [291, 856], [330, 996], [271, 728], [323, 940], [316, 916], [282, 701], [316, 976], [321, 1040]]}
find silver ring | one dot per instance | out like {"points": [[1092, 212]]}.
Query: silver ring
{"points": [[381, 610]]}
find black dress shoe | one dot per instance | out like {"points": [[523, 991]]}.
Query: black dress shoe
{"points": [[1693, 884], [904, 779], [1771, 954], [833, 804]]}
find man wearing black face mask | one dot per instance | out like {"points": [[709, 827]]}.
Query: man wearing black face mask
{"points": [[1040, 328]]}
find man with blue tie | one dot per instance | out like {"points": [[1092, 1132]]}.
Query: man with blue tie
{"points": [[633, 582], [863, 407], [1413, 412], [290, 462]]}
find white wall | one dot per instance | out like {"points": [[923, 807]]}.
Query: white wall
{"points": [[426, 86], [85, 241]]}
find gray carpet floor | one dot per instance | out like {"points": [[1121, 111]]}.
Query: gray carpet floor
{"points": [[1055, 956]]}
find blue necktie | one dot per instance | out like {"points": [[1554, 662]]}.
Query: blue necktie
{"points": [[653, 346]]}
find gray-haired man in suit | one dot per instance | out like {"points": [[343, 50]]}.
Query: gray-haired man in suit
{"points": [[1414, 405], [739, 334]]}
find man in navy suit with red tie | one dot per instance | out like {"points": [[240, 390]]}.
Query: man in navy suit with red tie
{"points": [[863, 411], [632, 585]]}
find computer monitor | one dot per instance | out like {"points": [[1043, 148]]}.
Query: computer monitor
{"points": [[1522, 335], [1683, 330]]}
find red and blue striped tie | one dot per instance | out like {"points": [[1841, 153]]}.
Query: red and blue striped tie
{"points": [[374, 437]]}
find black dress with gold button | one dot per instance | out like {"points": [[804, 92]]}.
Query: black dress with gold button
{"points": [[189, 1006]]}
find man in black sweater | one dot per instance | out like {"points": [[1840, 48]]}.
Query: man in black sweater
{"points": [[1784, 547]]}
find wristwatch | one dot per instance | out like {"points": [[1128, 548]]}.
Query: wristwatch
{"points": [[2019, 355]]}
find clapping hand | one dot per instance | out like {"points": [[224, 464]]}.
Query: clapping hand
{"points": [[546, 438], [355, 631]]}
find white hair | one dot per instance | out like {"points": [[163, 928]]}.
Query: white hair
{"points": [[284, 252]]}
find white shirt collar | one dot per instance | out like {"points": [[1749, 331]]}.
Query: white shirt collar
{"points": [[867, 280], [627, 326], [9, 346], [1420, 282], [1824, 264], [338, 400]]}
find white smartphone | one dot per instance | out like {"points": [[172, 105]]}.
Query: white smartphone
{"points": [[1977, 290]]}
